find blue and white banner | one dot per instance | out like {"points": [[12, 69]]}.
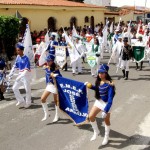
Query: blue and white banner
{"points": [[73, 99]]}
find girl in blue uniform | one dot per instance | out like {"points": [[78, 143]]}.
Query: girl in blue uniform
{"points": [[50, 70], [104, 94]]}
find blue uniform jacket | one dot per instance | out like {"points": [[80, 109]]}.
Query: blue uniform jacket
{"points": [[64, 44], [22, 63], [48, 72], [51, 48], [107, 93]]}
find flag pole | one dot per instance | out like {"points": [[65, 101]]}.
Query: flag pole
{"points": [[145, 12], [134, 10]]}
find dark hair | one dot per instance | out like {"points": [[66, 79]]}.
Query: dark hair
{"points": [[53, 67], [97, 84], [97, 41]]}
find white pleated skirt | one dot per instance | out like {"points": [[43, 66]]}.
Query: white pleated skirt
{"points": [[100, 104], [51, 88]]}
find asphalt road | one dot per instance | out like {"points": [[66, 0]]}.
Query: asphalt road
{"points": [[22, 129]]}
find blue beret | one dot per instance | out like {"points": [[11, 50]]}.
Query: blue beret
{"points": [[20, 46], [103, 69]]}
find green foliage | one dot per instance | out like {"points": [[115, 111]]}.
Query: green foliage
{"points": [[9, 30], [9, 27]]}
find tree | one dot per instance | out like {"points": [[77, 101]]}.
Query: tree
{"points": [[9, 29]]}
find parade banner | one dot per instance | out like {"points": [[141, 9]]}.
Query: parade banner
{"points": [[60, 53], [73, 99], [91, 59], [138, 53]]}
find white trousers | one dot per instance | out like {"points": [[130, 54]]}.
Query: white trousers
{"points": [[109, 46], [77, 64], [94, 70], [25, 81], [125, 65]]}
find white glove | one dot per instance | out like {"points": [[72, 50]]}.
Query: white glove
{"points": [[104, 115], [86, 83], [54, 75]]}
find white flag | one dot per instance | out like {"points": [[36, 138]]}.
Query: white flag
{"points": [[105, 34], [27, 42], [42, 59], [118, 27], [129, 28], [47, 37], [74, 32], [111, 28]]}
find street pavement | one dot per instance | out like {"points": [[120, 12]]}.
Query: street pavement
{"points": [[22, 129]]}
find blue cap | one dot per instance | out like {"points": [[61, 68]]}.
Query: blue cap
{"points": [[20, 46], [50, 58], [53, 36], [103, 69]]}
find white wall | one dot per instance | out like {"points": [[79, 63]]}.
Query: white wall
{"points": [[98, 2]]}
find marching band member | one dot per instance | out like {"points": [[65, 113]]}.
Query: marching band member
{"points": [[78, 63], [140, 42], [117, 50], [51, 47], [83, 42], [22, 63], [115, 37], [96, 49], [101, 43], [126, 55], [104, 94], [50, 69], [109, 40]]}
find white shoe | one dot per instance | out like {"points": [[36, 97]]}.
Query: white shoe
{"points": [[45, 117], [96, 130], [105, 141], [94, 136], [46, 113], [27, 105], [106, 137], [19, 103], [56, 118]]}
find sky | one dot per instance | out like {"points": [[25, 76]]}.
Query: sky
{"points": [[130, 2]]}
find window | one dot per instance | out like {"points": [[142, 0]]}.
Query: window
{"points": [[86, 20]]}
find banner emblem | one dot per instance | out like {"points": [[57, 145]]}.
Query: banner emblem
{"points": [[91, 59], [60, 52], [138, 53]]}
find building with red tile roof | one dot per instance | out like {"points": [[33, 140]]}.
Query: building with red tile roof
{"points": [[53, 13]]}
